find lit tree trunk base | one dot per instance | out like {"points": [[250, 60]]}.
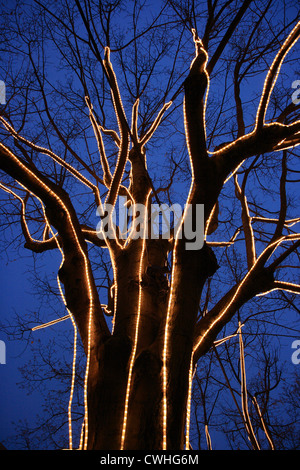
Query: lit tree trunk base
{"points": [[144, 421], [144, 418]]}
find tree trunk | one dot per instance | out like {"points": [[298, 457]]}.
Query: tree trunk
{"points": [[140, 421]]}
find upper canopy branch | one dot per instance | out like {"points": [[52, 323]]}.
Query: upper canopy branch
{"points": [[273, 74], [264, 137], [123, 130]]}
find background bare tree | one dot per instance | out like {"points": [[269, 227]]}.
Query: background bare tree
{"points": [[204, 90]]}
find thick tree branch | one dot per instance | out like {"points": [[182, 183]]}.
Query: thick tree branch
{"points": [[266, 140], [123, 130], [273, 74], [75, 273], [54, 157], [258, 280]]}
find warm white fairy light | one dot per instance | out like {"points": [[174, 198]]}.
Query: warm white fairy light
{"points": [[208, 221], [271, 78], [269, 84], [155, 124], [199, 47], [244, 394], [233, 172], [198, 43], [266, 431], [188, 406], [53, 322], [50, 323], [87, 275], [97, 132], [288, 223], [270, 248], [137, 326], [134, 120], [283, 285], [56, 158], [75, 337], [124, 136]]}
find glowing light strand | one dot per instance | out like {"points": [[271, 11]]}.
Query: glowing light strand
{"points": [[45, 325], [263, 255], [53, 322], [273, 73], [283, 285], [275, 243], [75, 335], [50, 323], [269, 84], [198, 44], [266, 431], [258, 118], [244, 395], [87, 275], [189, 402], [136, 334], [55, 157]]}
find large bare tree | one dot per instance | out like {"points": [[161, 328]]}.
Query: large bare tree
{"points": [[108, 100]]}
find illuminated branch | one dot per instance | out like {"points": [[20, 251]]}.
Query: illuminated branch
{"points": [[134, 121], [155, 124], [273, 74], [123, 129], [196, 85], [258, 280], [37, 246], [137, 327], [55, 157], [113, 134], [288, 223], [286, 286], [70, 315], [244, 396], [270, 136], [237, 79], [63, 217], [288, 143], [107, 176], [264, 137], [91, 235], [81, 297], [51, 323], [264, 424], [286, 253]]}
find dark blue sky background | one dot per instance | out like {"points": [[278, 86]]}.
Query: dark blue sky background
{"points": [[16, 296]]}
